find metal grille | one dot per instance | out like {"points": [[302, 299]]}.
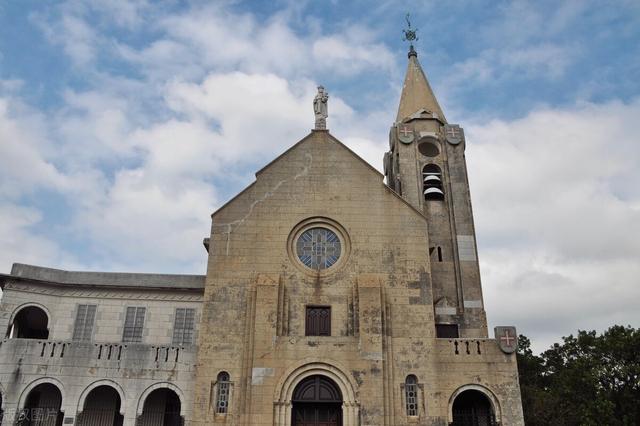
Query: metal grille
{"points": [[83, 327], [159, 418], [222, 397], [133, 325], [411, 395], [183, 326], [100, 417], [469, 418]]}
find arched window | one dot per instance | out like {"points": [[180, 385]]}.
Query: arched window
{"points": [[222, 392], [432, 182], [161, 408], [31, 322], [411, 395], [42, 406], [101, 407]]}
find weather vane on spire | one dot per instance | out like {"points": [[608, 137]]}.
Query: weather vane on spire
{"points": [[410, 36]]}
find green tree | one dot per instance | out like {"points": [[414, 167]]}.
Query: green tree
{"points": [[589, 379]]}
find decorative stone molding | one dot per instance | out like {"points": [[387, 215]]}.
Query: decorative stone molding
{"points": [[27, 389], [290, 379], [108, 294], [319, 222]]}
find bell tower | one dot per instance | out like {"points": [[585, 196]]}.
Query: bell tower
{"points": [[426, 166]]}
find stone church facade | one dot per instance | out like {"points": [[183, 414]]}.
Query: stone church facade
{"points": [[334, 295]]}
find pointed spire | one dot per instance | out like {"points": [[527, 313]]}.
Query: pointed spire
{"points": [[416, 92]]}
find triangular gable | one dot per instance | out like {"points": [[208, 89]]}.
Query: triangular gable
{"points": [[339, 144], [334, 139]]}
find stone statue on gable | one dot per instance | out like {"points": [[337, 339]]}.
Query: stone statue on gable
{"points": [[320, 108]]}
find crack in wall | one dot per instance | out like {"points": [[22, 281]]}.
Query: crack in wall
{"points": [[236, 223]]}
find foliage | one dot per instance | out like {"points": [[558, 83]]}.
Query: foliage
{"points": [[587, 380]]}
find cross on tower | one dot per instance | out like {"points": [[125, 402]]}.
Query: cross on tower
{"points": [[405, 131], [507, 338], [454, 132]]}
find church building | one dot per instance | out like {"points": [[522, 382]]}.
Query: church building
{"points": [[334, 295]]}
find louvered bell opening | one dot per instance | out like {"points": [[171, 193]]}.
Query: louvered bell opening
{"points": [[433, 193], [432, 179]]}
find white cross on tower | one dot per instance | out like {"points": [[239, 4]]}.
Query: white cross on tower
{"points": [[404, 130], [507, 338], [453, 132]]}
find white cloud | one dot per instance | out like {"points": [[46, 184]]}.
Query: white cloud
{"points": [[143, 222], [555, 197], [20, 240], [125, 13], [544, 61], [351, 52], [23, 148], [209, 37], [78, 39]]}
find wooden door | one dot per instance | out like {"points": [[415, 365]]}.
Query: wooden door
{"points": [[317, 415]]}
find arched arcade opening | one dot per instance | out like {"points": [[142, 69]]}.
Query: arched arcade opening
{"points": [[473, 408], [30, 322], [42, 407], [161, 408], [317, 401], [101, 408]]}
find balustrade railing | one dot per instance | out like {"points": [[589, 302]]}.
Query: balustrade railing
{"points": [[51, 351]]}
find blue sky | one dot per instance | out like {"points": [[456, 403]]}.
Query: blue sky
{"points": [[124, 124]]}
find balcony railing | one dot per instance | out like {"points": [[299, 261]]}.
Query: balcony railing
{"points": [[459, 349], [125, 355]]}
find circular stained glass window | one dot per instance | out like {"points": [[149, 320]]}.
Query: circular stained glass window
{"points": [[318, 248]]}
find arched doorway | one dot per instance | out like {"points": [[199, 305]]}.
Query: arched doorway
{"points": [[31, 322], [317, 401], [161, 408], [473, 408], [42, 407], [101, 408]]}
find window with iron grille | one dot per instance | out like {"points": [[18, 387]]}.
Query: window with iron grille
{"points": [[183, 326], [318, 321], [222, 392], [83, 327], [411, 394], [133, 325]]}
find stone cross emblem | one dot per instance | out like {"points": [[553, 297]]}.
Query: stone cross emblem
{"points": [[321, 108], [507, 339], [405, 133], [453, 133]]}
